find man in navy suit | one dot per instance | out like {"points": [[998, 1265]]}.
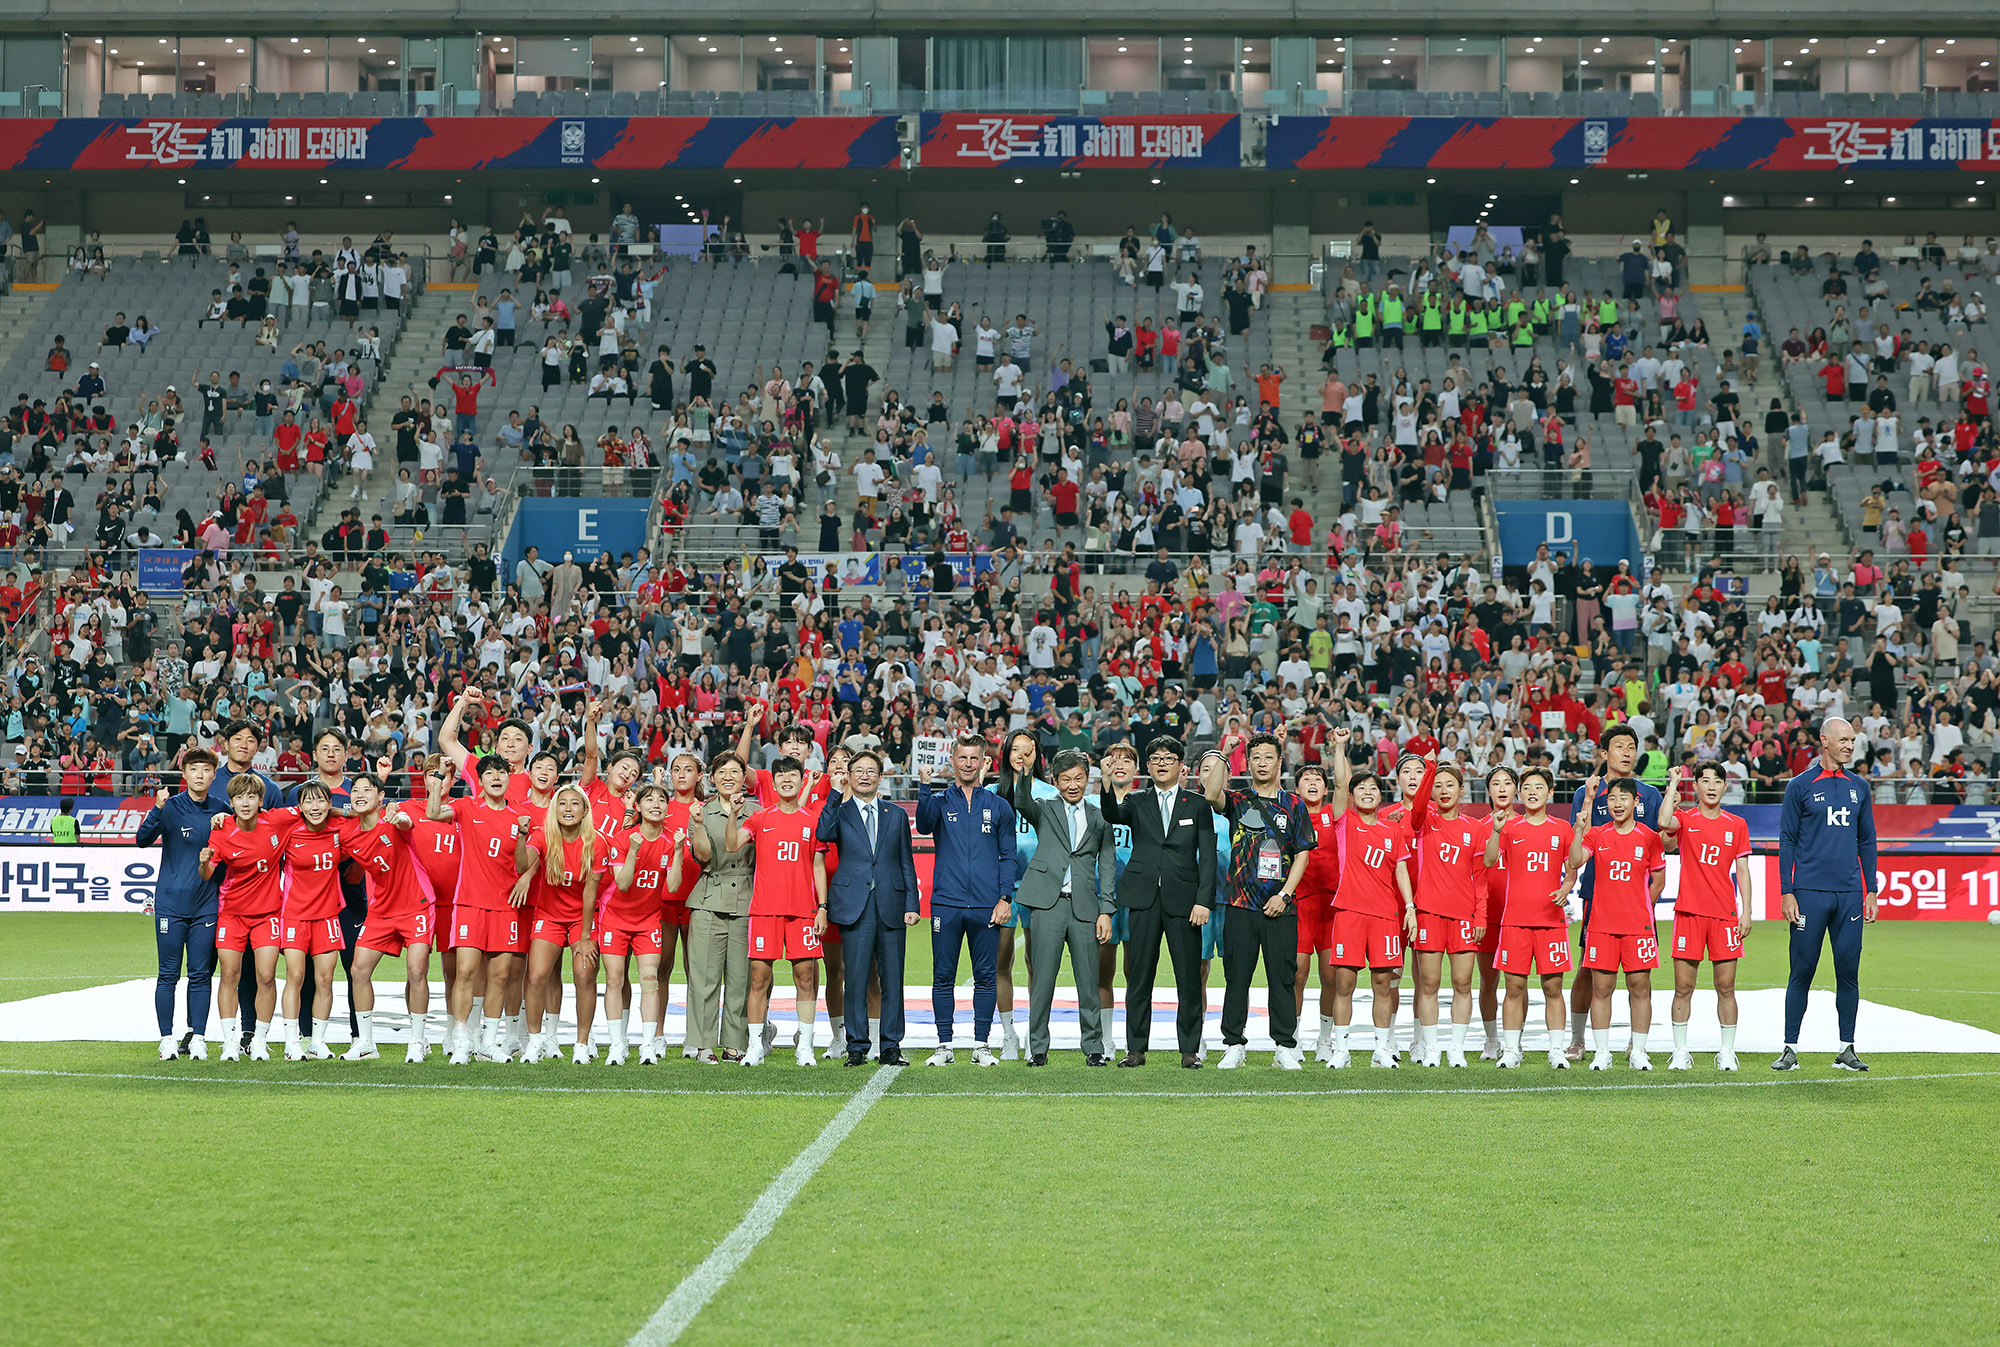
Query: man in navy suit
{"points": [[872, 897]]}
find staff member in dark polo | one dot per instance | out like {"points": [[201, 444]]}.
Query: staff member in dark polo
{"points": [[1826, 871], [1168, 892], [872, 897], [1069, 886]]}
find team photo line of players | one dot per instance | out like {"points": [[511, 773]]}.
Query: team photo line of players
{"points": [[502, 881]]}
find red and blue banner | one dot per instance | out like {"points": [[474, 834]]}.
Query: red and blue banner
{"points": [[1640, 143], [453, 144], [1036, 140]]}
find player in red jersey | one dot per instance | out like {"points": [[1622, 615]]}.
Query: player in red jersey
{"points": [[567, 865], [1411, 808], [1711, 908], [513, 740], [402, 914], [630, 916], [1534, 925], [1315, 904], [1373, 892], [609, 790], [435, 848], [252, 848], [488, 935], [787, 905], [1449, 881], [684, 775], [1629, 872], [313, 938], [1501, 787]]}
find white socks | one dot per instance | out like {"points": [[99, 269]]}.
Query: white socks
{"points": [[1325, 1031], [291, 1031], [1492, 1028], [1600, 1039], [1510, 1040], [458, 1034], [808, 1015], [618, 1033], [320, 1027], [366, 1019], [1458, 1032], [263, 1034], [1638, 1048], [1340, 1037], [420, 1026], [231, 1033], [1681, 1035], [1427, 1038], [1728, 1038], [478, 1020]]}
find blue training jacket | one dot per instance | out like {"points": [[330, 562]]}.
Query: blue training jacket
{"points": [[974, 861], [1826, 834], [181, 828]]}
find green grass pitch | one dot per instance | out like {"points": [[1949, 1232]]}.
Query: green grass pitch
{"points": [[145, 1202]]}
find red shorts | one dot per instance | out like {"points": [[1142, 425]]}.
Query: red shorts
{"points": [[552, 932], [392, 935], [249, 932], [1444, 935], [319, 936], [620, 943], [1315, 924], [1607, 953], [1362, 941], [784, 938], [493, 931], [1544, 948], [676, 913], [1717, 939]]}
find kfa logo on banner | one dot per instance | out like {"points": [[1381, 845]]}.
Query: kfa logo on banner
{"points": [[572, 147], [1596, 142]]}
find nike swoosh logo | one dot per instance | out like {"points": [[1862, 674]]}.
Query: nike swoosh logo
{"points": [[1855, 917]]}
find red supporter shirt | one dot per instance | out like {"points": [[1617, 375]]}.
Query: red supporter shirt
{"points": [[1622, 865], [783, 882], [1533, 855], [1368, 853], [486, 867], [250, 885], [312, 870], [1710, 848], [639, 907], [1450, 878], [398, 887], [563, 901]]}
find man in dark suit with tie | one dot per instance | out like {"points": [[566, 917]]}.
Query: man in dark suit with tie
{"points": [[1168, 890], [872, 897], [1069, 886]]}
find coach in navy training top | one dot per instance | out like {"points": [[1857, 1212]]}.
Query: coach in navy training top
{"points": [[1826, 871], [184, 904]]}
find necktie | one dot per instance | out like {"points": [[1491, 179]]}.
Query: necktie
{"points": [[868, 813], [1075, 840], [1166, 810]]}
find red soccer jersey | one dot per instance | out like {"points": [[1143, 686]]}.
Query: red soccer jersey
{"points": [[1322, 876], [312, 871], [607, 811], [398, 887], [563, 901], [1622, 868], [1450, 874], [1368, 856], [1710, 848], [486, 840], [435, 847], [251, 884], [783, 883], [1533, 855], [639, 907], [677, 826]]}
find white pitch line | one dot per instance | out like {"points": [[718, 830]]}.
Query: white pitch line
{"points": [[167, 1079], [699, 1287]]}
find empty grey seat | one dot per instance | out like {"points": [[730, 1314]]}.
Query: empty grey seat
{"points": [[625, 103], [648, 103], [753, 104], [312, 104], [1645, 104]]}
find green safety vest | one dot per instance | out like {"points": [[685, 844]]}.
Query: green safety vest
{"points": [[1458, 312], [1514, 312], [1341, 337], [63, 830], [1524, 335], [1364, 323], [1366, 303], [1392, 311], [1607, 313], [1653, 767], [1479, 323], [1541, 312], [1433, 314]]}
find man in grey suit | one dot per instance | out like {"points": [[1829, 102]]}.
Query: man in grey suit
{"points": [[872, 897], [1071, 883]]}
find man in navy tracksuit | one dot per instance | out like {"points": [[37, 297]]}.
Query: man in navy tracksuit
{"points": [[184, 904], [1826, 871], [972, 877]]}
